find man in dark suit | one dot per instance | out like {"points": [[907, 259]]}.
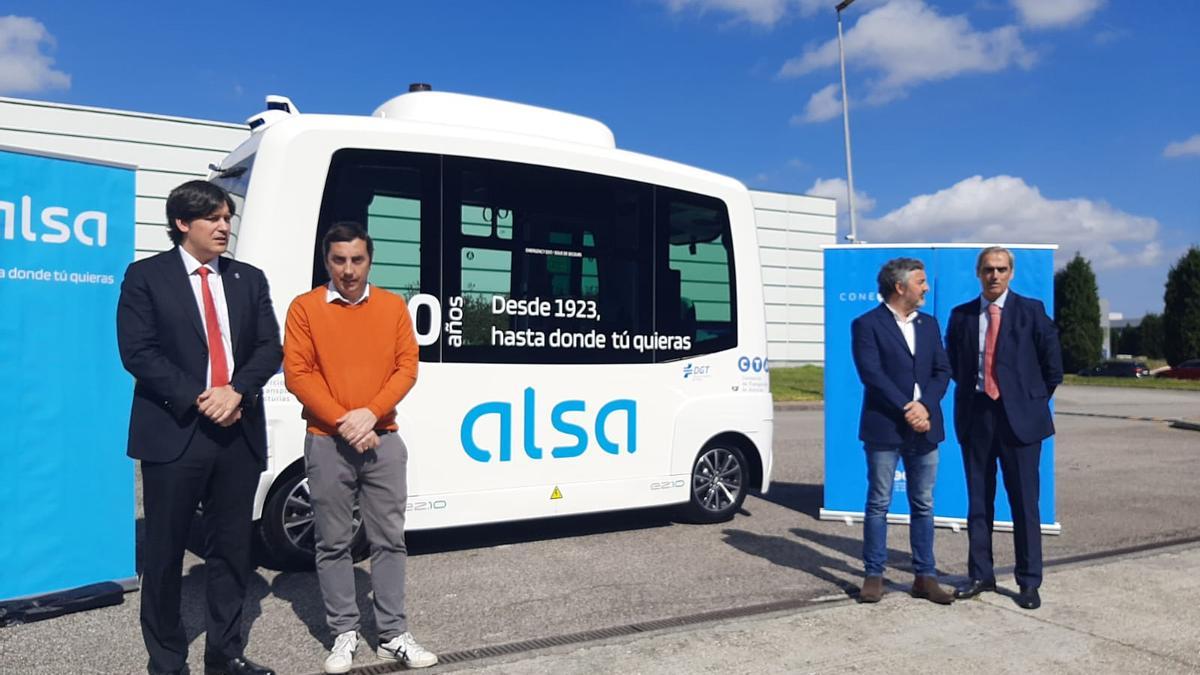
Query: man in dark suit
{"points": [[199, 335], [1006, 359], [899, 356]]}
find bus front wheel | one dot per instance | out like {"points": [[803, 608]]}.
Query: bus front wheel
{"points": [[718, 488], [285, 532]]}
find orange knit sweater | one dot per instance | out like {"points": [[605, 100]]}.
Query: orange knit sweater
{"points": [[339, 357]]}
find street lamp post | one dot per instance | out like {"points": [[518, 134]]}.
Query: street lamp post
{"points": [[853, 236]]}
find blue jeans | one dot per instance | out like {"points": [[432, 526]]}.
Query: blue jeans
{"points": [[920, 468]]}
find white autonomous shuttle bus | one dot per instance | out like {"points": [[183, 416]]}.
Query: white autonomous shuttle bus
{"points": [[590, 320]]}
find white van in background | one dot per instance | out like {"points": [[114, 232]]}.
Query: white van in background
{"points": [[590, 320]]}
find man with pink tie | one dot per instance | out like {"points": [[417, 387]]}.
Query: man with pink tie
{"points": [[1006, 362]]}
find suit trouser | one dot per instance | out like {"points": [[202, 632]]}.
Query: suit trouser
{"points": [[219, 470], [379, 478], [989, 439]]}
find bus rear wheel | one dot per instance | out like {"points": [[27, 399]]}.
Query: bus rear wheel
{"points": [[718, 488]]}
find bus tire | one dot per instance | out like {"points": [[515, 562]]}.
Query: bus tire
{"points": [[720, 478], [285, 532]]}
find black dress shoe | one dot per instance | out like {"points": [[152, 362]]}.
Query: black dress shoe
{"points": [[238, 666], [1028, 598], [974, 588]]}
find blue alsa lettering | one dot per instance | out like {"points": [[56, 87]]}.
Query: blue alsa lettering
{"points": [[572, 427]]}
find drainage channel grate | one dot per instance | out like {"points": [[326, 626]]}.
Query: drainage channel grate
{"points": [[597, 634], [1118, 552], [511, 648]]}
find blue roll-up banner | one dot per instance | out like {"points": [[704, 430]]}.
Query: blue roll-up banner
{"points": [[66, 486], [851, 290]]}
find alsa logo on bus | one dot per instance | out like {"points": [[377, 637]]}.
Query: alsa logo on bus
{"points": [[57, 231], [503, 411]]}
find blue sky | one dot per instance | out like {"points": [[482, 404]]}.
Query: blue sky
{"points": [[1039, 121]]}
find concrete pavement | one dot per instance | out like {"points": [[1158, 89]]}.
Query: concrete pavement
{"points": [[1137, 613]]}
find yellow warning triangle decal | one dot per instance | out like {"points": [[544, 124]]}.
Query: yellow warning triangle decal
{"points": [[557, 494]]}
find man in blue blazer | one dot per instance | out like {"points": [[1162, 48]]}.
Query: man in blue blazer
{"points": [[1006, 359], [899, 356], [199, 335]]}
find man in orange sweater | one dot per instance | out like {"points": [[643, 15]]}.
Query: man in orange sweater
{"points": [[350, 356]]}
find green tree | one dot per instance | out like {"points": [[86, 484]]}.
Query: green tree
{"points": [[1077, 313], [1127, 340], [1117, 339], [1181, 309], [1150, 336]]}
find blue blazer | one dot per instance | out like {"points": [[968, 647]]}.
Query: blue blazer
{"points": [[163, 345], [1028, 365], [888, 371]]}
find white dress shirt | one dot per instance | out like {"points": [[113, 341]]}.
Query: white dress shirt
{"points": [[984, 320], [908, 329], [332, 294], [218, 292]]}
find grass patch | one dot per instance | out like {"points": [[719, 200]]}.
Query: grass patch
{"points": [[1130, 382], [803, 383], [807, 383]]}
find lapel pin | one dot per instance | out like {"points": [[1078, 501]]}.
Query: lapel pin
{"points": [[237, 275]]}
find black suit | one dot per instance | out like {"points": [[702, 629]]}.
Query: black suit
{"points": [[1028, 365], [186, 458]]}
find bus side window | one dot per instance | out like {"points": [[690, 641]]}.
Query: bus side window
{"points": [[395, 196], [394, 224], [695, 295], [546, 264]]}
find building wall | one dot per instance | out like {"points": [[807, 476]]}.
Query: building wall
{"points": [[171, 150], [791, 231], [166, 150]]}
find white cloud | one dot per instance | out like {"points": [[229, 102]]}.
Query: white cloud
{"points": [[908, 43], [1183, 148], [1109, 36], [23, 66], [835, 188], [762, 12], [1005, 209], [826, 104], [1055, 13]]}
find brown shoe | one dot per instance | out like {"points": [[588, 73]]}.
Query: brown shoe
{"points": [[927, 587], [872, 590]]}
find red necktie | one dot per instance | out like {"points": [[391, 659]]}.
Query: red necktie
{"points": [[990, 387], [216, 348]]}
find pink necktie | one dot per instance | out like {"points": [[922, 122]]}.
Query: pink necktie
{"points": [[990, 387], [216, 348]]}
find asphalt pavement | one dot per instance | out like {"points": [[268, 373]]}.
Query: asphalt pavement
{"points": [[1128, 402], [1129, 614], [770, 591]]}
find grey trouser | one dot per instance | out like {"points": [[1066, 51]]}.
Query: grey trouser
{"points": [[336, 473]]}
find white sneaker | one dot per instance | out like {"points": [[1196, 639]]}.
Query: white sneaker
{"points": [[405, 649], [341, 657]]}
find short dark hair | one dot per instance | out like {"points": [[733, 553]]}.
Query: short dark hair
{"points": [[896, 271], [347, 230], [194, 199]]}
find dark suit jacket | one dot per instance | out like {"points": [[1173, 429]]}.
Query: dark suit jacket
{"points": [[888, 371], [1028, 365], [163, 345]]}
